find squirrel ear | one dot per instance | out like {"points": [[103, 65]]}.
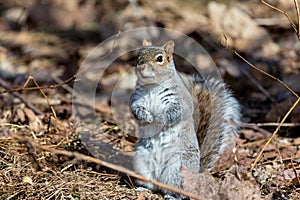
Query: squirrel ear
{"points": [[169, 48], [146, 43]]}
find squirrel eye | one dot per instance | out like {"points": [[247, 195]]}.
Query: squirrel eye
{"points": [[159, 59]]}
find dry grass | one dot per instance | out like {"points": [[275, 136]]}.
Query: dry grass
{"points": [[28, 173]]}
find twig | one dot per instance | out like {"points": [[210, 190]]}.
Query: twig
{"points": [[30, 78], [38, 88], [80, 156], [273, 135], [284, 159], [224, 43], [254, 127], [58, 80], [275, 124], [132, 185], [23, 99], [298, 17], [294, 26], [294, 169]]}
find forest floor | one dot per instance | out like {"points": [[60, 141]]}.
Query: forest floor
{"points": [[53, 141]]}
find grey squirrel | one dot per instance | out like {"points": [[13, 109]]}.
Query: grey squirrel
{"points": [[184, 120]]}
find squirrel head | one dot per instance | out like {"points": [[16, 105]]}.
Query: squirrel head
{"points": [[155, 64]]}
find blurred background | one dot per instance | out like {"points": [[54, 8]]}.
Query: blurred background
{"points": [[52, 37]]}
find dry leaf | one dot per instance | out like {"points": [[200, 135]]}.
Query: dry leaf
{"points": [[201, 184], [27, 179], [232, 188], [21, 115]]}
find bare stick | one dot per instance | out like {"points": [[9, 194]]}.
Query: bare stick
{"points": [[65, 86], [275, 124], [42, 92], [298, 17], [286, 14], [38, 88], [23, 99], [284, 159], [28, 104], [80, 156], [224, 43], [254, 127]]}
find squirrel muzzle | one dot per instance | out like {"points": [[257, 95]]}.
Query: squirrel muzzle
{"points": [[146, 71]]}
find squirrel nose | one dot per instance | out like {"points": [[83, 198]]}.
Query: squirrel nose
{"points": [[141, 67], [140, 62]]}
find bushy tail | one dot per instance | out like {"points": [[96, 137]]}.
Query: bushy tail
{"points": [[215, 110]]}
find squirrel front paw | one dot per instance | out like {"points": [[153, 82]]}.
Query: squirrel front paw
{"points": [[143, 115]]}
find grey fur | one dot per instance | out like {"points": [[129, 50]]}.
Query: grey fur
{"points": [[179, 116], [160, 153]]}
